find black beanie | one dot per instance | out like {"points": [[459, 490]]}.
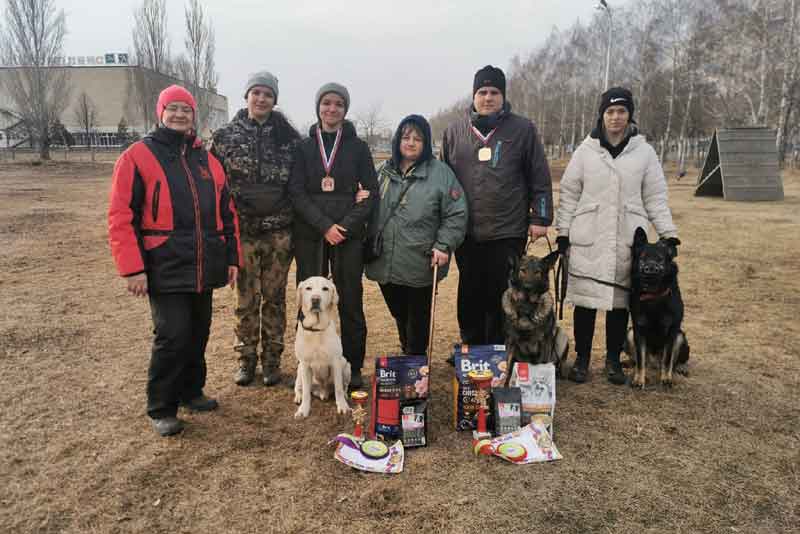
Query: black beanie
{"points": [[489, 76], [617, 96]]}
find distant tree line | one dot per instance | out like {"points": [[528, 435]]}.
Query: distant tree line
{"points": [[693, 66]]}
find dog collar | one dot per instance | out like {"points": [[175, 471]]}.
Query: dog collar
{"points": [[307, 329], [654, 296]]}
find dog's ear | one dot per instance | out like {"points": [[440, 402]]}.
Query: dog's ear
{"points": [[513, 266], [639, 238], [300, 296], [334, 295], [550, 260]]}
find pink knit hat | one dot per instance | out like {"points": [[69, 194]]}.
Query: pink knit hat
{"points": [[174, 93]]}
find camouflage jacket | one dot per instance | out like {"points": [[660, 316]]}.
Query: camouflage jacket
{"points": [[258, 159]]}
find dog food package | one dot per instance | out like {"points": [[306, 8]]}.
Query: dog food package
{"points": [[507, 410], [399, 399], [474, 358], [537, 383]]}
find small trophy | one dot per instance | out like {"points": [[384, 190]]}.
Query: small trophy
{"points": [[482, 380], [359, 398]]}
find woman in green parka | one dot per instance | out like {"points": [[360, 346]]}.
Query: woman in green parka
{"points": [[426, 226]]}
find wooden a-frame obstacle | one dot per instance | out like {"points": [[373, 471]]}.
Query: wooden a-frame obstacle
{"points": [[741, 164]]}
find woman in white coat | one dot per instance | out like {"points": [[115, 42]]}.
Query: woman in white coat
{"points": [[613, 184]]}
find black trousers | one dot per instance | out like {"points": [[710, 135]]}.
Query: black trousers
{"points": [[181, 322], [411, 309], [345, 262], [483, 277], [616, 329]]}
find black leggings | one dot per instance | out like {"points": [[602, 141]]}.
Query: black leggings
{"points": [[616, 329]]}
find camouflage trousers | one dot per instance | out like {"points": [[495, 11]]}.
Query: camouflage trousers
{"points": [[261, 296]]}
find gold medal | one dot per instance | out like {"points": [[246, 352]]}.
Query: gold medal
{"points": [[485, 154], [328, 184]]}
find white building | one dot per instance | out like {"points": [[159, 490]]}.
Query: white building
{"points": [[117, 91]]}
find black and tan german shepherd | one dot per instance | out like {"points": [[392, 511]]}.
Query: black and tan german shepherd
{"points": [[656, 309]]}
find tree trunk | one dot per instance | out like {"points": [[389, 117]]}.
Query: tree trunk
{"points": [[684, 124], [665, 139], [787, 86]]}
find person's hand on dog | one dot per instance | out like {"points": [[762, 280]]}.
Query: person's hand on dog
{"points": [[137, 285], [233, 272], [362, 194], [335, 234], [672, 243], [562, 242], [535, 231], [439, 258]]}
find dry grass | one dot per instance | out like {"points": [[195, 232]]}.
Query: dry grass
{"points": [[719, 453]]}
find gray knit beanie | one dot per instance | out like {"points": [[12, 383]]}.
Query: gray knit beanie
{"points": [[264, 78], [337, 88]]}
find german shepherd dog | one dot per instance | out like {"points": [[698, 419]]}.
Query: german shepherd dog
{"points": [[656, 309], [532, 334]]}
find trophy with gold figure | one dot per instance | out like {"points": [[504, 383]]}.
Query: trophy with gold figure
{"points": [[482, 381]]}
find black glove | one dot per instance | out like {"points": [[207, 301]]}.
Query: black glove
{"points": [[672, 244], [562, 242]]}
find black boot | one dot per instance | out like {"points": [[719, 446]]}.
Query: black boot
{"points": [[614, 371], [247, 369], [580, 369]]}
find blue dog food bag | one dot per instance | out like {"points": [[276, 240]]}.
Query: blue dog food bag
{"points": [[474, 358], [400, 399]]}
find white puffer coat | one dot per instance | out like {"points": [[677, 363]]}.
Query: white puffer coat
{"points": [[603, 200]]}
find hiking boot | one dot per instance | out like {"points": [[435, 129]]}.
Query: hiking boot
{"points": [[580, 370], [167, 426], [272, 375], [614, 373], [247, 370], [201, 404]]}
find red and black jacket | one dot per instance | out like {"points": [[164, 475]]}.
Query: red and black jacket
{"points": [[171, 215]]}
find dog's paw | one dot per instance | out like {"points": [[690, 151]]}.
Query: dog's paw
{"points": [[638, 380], [298, 398], [342, 408], [302, 411]]}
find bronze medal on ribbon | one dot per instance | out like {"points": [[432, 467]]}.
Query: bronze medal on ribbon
{"points": [[328, 184], [484, 153]]}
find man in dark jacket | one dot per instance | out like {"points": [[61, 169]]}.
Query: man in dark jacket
{"points": [[500, 162], [257, 149]]}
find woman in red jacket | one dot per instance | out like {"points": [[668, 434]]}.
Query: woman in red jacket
{"points": [[174, 236]]}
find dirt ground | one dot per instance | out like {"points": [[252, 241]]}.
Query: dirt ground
{"points": [[718, 453]]}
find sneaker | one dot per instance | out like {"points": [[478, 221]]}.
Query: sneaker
{"points": [[201, 404], [167, 426]]}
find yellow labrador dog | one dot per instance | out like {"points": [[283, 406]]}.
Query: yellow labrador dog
{"points": [[321, 367]]}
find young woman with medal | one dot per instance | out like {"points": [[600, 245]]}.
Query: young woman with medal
{"points": [[331, 166]]}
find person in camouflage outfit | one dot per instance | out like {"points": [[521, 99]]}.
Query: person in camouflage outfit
{"points": [[257, 150]]}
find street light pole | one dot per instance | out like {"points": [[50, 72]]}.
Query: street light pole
{"points": [[604, 6]]}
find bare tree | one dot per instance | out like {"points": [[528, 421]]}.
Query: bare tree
{"points": [[197, 66], [790, 82], [31, 41], [86, 116], [151, 56], [371, 122]]}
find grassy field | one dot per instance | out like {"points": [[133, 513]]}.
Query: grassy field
{"points": [[718, 453]]}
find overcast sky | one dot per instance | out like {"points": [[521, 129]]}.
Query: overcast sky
{"points": [[411, 56]]}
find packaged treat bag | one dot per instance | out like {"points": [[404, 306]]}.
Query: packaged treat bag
{"points": [[474, 358], [537, 383], [400, 399], [507, 410]]}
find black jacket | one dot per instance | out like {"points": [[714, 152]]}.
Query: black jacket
{"points": [[508, 192], [316, 211]]}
